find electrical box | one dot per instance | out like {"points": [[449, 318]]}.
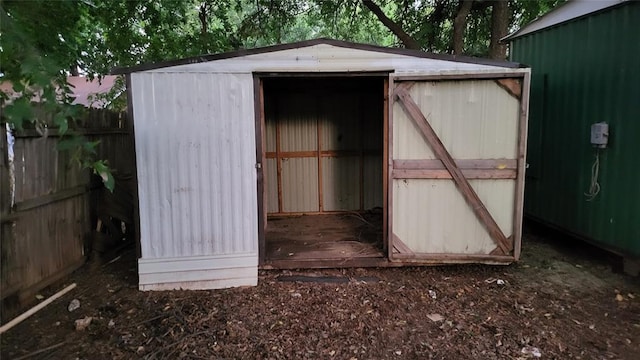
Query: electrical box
{"points": [[600, 134]]}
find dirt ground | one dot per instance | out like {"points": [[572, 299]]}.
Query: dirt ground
{"points": [[559, 302]]}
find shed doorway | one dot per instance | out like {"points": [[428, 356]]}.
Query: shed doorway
{"points": [[323, 170]]}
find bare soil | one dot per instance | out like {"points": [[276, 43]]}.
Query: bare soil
{"points": [[558, 302]]}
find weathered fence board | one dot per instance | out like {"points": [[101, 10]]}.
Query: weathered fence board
{"points": [[49, 216]]}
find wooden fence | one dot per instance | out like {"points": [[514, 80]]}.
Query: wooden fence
{"points": [[48, 204]]}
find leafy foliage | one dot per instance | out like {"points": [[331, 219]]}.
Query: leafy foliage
{"points": [[42, 41], [35, 57]]}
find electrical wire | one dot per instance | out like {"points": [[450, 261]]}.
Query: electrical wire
{"points": [[594, 186]]}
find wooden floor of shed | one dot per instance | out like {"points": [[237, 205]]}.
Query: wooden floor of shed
{"points": [[309, 238]]}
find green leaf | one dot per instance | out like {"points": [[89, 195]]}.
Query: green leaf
{"points": [[18, 87], [18, 112], [61, 122], [101, 168]]}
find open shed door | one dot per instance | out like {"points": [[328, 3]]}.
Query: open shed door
{"points": [[456, 170]]}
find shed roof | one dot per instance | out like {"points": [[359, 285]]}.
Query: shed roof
{"points": [[315, 42], [570, 10]]}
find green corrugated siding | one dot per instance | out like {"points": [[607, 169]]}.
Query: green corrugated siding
{"points": [[584, 72]]}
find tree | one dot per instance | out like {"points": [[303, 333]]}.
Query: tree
{"points": [[408, 41], [472, 27], [460, 25], [35, 58], [499, 29]]}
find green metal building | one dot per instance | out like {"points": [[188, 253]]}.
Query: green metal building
{"points": [[585, 61]]}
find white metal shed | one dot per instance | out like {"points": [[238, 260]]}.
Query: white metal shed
{"points": [[325, 153]]}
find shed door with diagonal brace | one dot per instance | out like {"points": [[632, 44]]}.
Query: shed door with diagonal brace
{"points": [[456, 169]]}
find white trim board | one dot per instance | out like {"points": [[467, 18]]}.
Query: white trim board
{"points": [[198, 272]]}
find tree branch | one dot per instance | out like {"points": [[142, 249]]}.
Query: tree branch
{"points": [[406, 39]]}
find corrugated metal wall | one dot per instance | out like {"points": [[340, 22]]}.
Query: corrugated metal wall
{"points": [[195, 148], [474, 120], [346, 122], [584, 72]]}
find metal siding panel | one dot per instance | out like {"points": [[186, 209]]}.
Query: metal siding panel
{"points": [[271, 176], [341, 183], [431, 216], [298, 125], [196, 155], [474, 119], [270, 133], [592, 76], [300, 185], [372, 182], [341, 122]]}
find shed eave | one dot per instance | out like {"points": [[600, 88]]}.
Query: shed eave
{"points": [[308, 43]]}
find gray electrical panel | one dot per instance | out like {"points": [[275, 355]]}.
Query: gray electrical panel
{"points": [[600, 134]]}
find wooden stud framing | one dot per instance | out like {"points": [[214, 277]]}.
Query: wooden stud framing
{"points": [[258, 101], [464, 164], [361, 155], [301, 213], [445, 167], [522, 151], [452, 258], [445, 174], [414, 113], [278, 161], [385, 161], [442, 77], [512, 86], [400, 247], [388, 158], [318, 154], [314, 153]]}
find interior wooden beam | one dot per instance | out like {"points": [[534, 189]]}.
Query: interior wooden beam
{"points": [[388, 165], [468, 164], [444, 174], [512, 86], [278, 163], [522, 164], [322, 153], [400, 246]]}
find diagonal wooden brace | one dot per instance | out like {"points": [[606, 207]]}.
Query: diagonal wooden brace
{"points": [[414, 113]]}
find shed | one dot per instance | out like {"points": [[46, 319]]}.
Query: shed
{"points": [[585, 70], [324, 153]]}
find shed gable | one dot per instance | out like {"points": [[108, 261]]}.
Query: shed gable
{"points": [[327, 58]]}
